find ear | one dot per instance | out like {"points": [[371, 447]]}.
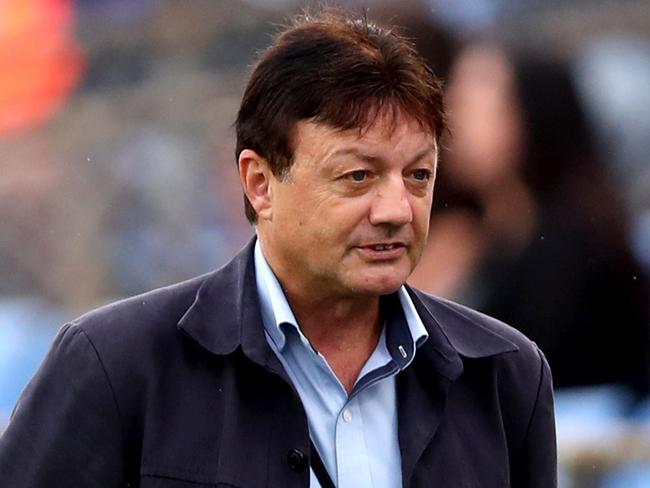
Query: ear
{"points": [[255, 175]]}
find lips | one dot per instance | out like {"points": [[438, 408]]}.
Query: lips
{"points": [[380, 251], [382, 247]]}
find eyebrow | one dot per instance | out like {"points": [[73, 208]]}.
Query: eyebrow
{"points": [[369, 158]]}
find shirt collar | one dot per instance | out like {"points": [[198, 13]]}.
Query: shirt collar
{"points": [[396, 308], [273, 303]]}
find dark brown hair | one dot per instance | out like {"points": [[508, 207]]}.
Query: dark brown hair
{"points": [[338, 70]]}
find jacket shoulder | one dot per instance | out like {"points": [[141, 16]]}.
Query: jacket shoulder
{"points": [[472, 332], [142, 316], [476, 318]]}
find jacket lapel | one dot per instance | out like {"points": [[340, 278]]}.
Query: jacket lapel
{"points": [[422, 391], [422, 388]]}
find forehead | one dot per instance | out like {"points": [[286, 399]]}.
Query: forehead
{"points": [[386, 134]]}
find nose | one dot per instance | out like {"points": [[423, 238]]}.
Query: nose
{"points": [[391, 205]]}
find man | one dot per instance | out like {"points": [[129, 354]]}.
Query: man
{"points": [[305, 361]]}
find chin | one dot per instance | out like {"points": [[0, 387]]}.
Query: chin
{"points": [[380, 285]]}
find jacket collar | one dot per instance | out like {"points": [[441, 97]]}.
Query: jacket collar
{"points": [[455, 332], [226, 315]]}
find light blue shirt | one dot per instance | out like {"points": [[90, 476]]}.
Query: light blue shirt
{"points": [[355, 435]]}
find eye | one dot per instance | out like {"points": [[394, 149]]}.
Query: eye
{"points": [[358, 175], [422, 174]]}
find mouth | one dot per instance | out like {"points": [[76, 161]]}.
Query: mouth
{"points": [[381, 251]]}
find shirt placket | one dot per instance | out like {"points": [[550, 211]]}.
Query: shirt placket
{"points": [[352, 460]]}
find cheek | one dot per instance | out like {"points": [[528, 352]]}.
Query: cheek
{"points": [[422, 212], [422, 231], [421, 218], [341, 216]]}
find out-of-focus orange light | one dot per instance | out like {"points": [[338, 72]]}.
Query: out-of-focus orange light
{"points": [[40, 61]]}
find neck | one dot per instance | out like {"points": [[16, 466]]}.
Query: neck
{"points": [[344, 328], [327, 315], [344, 331], [337, 323]]}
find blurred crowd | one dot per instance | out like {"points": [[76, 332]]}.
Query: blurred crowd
{"points": [[117, 169]]}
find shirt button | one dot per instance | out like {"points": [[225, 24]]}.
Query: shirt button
{"points": [[347, 415], [297, 460]]}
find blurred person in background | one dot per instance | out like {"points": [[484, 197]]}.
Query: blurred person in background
{"points": [[306, 357], [414, 19], [526, 225]]}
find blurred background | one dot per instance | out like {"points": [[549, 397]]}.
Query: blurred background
{"points": [[117, 175]]}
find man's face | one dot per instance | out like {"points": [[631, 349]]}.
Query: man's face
{"points": [[352, 216]]}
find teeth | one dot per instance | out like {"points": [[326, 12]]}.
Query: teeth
{"points": [[383, 247]]}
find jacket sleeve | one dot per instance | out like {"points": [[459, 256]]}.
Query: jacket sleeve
{"points": [[539, 454], [65, 429]]}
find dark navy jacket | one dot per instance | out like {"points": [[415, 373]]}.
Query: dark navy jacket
{"points": [[177, 388]]}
